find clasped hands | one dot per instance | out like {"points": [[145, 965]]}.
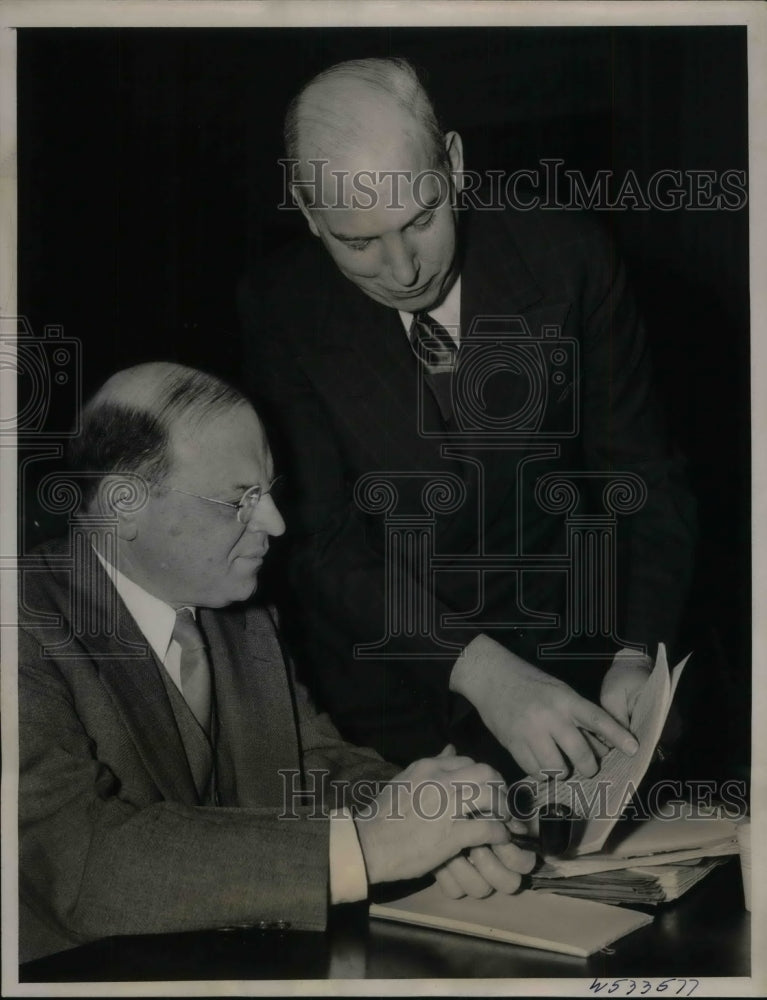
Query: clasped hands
{"points": [[450, 815], [447, 815]]}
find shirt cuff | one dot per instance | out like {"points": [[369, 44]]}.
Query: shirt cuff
{"points": [[348, 878], [471, 663]]}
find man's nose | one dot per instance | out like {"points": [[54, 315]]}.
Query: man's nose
{"points": [[403, 262], [266, 517]]}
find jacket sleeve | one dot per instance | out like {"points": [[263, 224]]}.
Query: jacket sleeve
{"points": [[95, 862], [323, 749], [337, 771]]}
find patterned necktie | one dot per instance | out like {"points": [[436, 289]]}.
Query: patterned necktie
{"points": [[195, 666], [438, 352], [433, 345]]}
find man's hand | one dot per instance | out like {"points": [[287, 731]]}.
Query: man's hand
{"points": [[623, 683], [539, 719], [428, 814], [487, 869]]}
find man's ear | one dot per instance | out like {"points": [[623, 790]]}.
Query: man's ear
{"points": [[295, 190], [454, 150], [123, 496]]}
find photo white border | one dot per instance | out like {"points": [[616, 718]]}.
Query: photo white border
{"points": [[364, 13]]}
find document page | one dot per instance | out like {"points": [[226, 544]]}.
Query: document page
{"points": [[598, 802]]}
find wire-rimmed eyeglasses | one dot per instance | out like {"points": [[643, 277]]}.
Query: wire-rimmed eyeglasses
{"points": [[247, 503]]}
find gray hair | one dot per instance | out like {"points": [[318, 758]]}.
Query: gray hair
{"points": [[126, 425], [392, 79]]}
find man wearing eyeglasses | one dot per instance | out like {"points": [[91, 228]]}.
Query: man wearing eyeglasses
{"points": [[164, 741]]}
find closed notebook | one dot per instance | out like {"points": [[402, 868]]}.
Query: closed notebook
{"points": [[532, 919]]}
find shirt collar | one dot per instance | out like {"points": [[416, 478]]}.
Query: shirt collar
{"points": [[154, 617], [448, 313]]}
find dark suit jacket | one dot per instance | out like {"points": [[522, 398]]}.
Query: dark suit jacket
{"points": [[113, 837], [334, 372]]}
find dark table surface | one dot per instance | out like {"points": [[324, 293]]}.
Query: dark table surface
{"points": [[705, 933]]}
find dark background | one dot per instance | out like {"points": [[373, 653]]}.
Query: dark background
{"points": [[148, 179]]}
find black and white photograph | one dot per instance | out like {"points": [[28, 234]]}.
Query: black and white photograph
{"points": [[381, 461]]}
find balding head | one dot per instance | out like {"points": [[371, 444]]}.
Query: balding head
{"points": [[144, 386], [128, 424], [376, 180], [353, 109]]}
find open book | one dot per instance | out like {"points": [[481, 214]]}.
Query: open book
{"points": [[597, 803]]}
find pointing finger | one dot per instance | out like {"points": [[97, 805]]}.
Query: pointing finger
{"points": [[595, 719], [598, 748], [578, 751]]}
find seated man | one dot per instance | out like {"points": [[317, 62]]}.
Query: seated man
{"points": [[163, 734]]}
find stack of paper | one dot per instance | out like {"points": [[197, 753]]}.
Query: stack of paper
{"points": [[685, 836], [651, 861], [645, 886]]}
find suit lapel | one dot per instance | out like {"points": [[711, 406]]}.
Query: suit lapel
{"points": [[496, 280], [368, 368], [497, 284], [494, 277], [133, 681], [254, 707]]}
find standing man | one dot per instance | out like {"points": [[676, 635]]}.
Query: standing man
{"points": [[375, 349], [164, 742]]}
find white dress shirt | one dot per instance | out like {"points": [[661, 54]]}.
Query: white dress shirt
{"points": [[156, 621]]}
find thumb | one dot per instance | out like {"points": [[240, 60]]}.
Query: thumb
{"points": [[615, 703], [448, 751]]}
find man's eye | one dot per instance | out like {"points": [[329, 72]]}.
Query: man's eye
{"points": [[424, 223], [357, 244]]}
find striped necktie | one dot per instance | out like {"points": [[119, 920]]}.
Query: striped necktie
{"points": [[195, 666], [438, 353], [432, 344]]}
